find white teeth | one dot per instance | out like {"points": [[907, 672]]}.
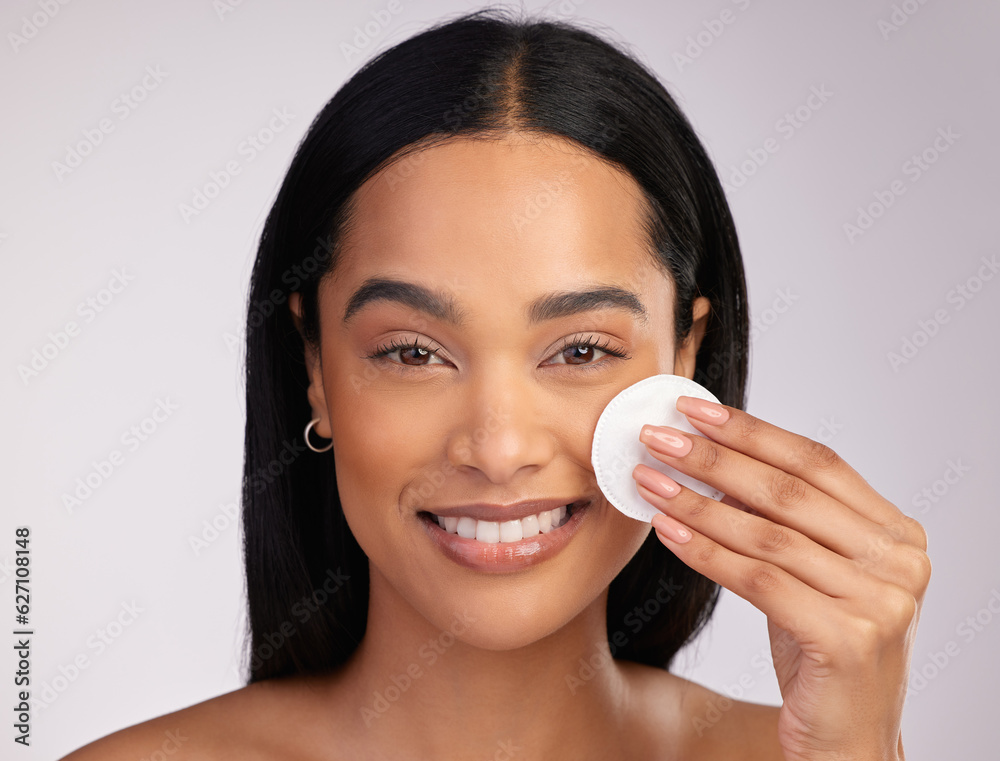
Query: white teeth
{"points": [[529, 526], [545, 522], [488, 531], [466, 528], [510, 531], [493, 532]]}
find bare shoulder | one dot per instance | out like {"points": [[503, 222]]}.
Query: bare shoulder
{"points": [[700, 723], [255, 722]]}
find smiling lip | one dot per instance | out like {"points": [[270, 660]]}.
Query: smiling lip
{"points": [[483, 511], [505, 557]]}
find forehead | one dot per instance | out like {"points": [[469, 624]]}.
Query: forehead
{"points": [[523, 214]]}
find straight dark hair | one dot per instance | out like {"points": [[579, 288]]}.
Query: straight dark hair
{"points": [[482, 75]]}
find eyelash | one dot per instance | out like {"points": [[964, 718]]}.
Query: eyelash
{"points": [[382, 351]]}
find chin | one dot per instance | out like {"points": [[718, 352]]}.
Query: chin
{"points": [[501, 611]]}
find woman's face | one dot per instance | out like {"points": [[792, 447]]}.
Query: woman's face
{"points": [[496, 410]]}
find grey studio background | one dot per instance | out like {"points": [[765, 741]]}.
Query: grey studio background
{"points": [[857, 142]]}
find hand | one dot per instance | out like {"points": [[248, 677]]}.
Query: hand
{"points": [[838, 570]]}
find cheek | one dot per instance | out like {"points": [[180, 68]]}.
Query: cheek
{"points": [[621, 537], [382, 444], [366, 449]]}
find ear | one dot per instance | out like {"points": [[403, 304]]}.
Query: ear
{"points": [[314, 369], [685, 354]]}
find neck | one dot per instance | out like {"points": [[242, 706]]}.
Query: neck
{"points": [[412, 685]]}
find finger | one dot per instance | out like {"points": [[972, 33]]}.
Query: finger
{"points": [[791, 502], [801, 610], [729, 499], [757, 537], [834, 628], [771, 492], [812, 461]]}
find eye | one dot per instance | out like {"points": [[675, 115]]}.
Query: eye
{"points": [[585, 349], [413, 348], [582, 350]]}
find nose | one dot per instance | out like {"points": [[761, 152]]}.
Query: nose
{"points": [[500, 431]]}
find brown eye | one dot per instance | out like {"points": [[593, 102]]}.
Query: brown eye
{"points": [[414, 352], [578, 355], [574, 353], [411, 350], [583, 352]]}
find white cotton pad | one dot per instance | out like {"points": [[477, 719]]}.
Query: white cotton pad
{"points": [[617, 449]]}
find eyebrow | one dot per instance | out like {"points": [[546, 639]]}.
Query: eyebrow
{"points": [[441, 306]]}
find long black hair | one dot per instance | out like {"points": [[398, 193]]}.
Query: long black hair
{"points": [[481, 74]]}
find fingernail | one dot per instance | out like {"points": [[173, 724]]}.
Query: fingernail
{"points": [[703, 410], [671, 529], [666, 440], [655, 481]]}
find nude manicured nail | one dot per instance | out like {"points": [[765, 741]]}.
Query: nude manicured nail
{"points": [[655, 481], [666, 440], [703, 410], [671, 529]]}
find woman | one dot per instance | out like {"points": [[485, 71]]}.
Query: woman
{"points": [[489, 231]]}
